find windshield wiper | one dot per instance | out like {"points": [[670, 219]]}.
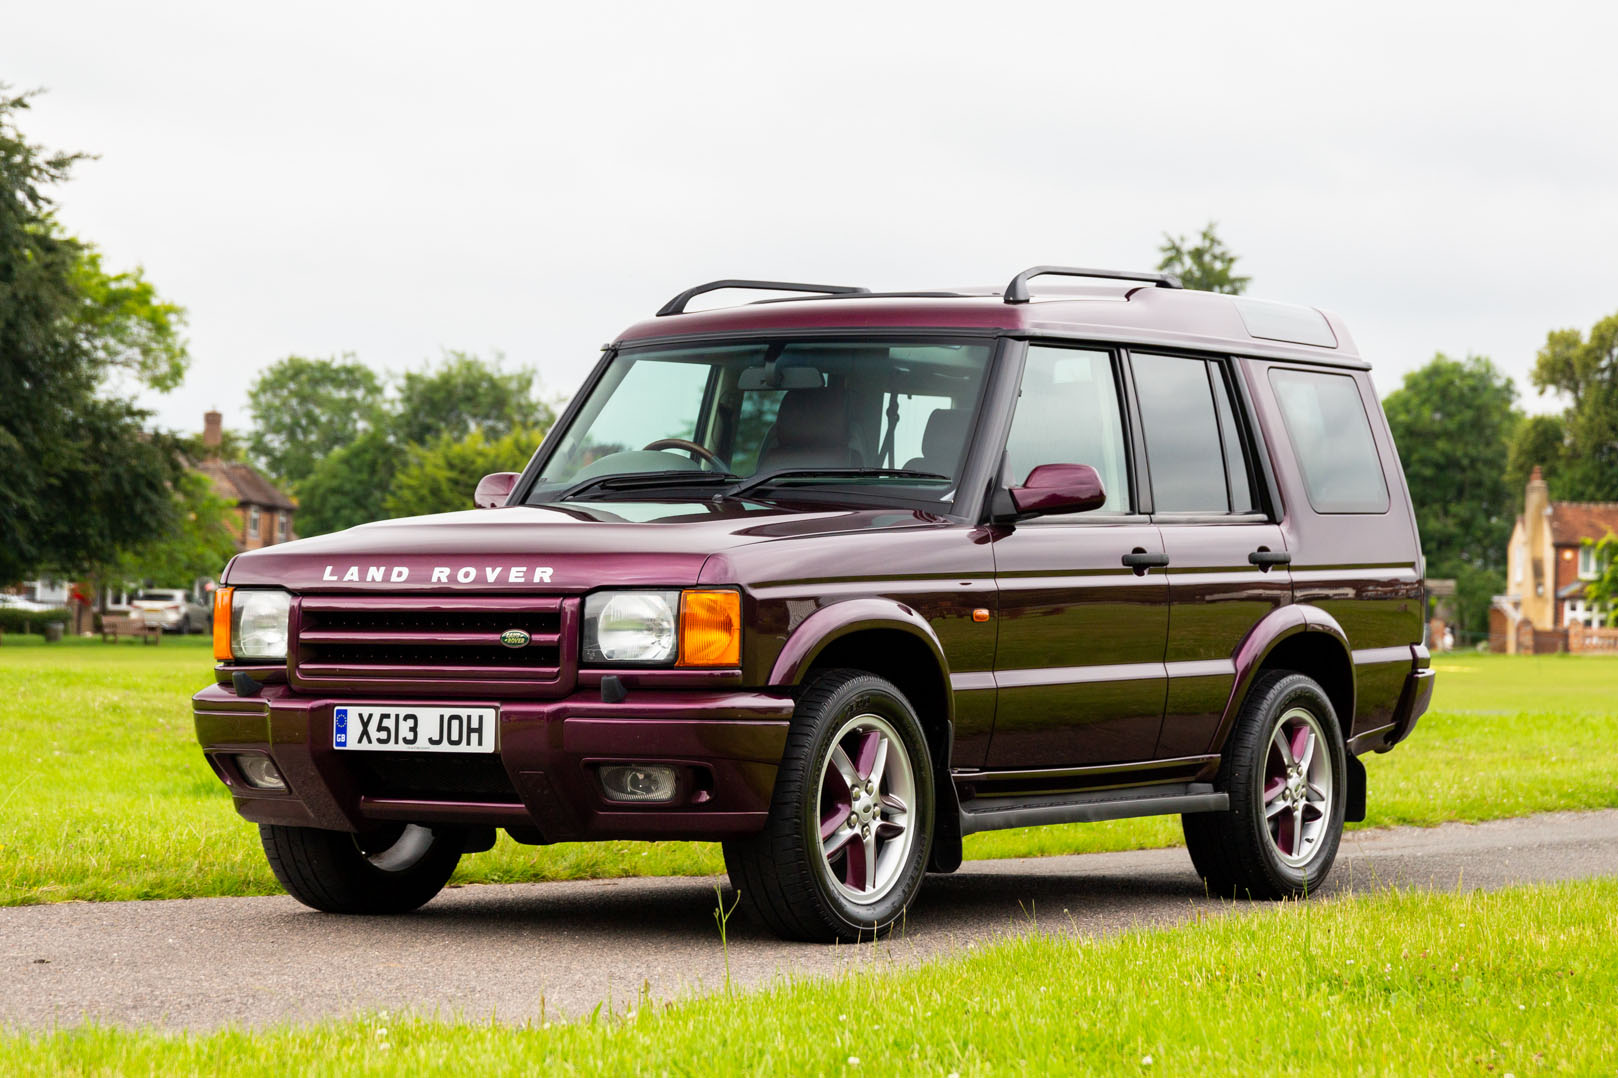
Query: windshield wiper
{"points": [[639, 480], [767, 478]]}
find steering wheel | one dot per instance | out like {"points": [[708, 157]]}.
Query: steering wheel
{"points": [[689, 446]]}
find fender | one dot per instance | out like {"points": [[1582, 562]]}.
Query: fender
{"points": [[1261, 642], [831, 623]]}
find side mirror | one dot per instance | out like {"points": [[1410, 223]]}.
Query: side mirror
{"points": [[494, 489], [1059, 488]]}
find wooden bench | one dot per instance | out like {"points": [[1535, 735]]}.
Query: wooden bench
{"points": [[114, 629]]}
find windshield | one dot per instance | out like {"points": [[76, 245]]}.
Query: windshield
{"points": [[892, 417]]}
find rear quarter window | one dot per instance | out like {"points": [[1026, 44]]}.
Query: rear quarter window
{"points": [[1331, 434]]}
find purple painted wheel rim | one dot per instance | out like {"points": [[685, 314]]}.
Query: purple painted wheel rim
{"points": [[1297, 790], [867, 792]]}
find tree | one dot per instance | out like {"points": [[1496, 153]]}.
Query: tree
{"points": [[1603, 591], [304, 409], [1538, 440], [440, 477], [1206, 264], [462, 394], [350, 486], [1586, 370], [199, 544], [80, 480], [1452, 420]]}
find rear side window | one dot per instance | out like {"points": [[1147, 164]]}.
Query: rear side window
{"points": [[1331, 434], [1193, 443]]}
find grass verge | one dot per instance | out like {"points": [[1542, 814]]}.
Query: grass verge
{"points": [[104, 795], [1510, 982]]}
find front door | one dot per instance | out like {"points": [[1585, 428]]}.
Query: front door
{"points": [[1083, 611]]}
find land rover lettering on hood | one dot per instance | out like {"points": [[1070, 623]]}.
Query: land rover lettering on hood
{"points": [[838, 579]]}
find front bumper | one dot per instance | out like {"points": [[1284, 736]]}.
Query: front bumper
{"points": [[541, 783]]}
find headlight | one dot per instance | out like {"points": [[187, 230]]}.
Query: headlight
{"points": [[258, 624], [630, 626], [698, 627]]}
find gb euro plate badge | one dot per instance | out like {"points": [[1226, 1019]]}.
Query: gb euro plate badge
{"points": [[390, 728]]}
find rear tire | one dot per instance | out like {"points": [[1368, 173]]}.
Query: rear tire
{"points": [[1284, 768], [392, 870], [851, 819]]}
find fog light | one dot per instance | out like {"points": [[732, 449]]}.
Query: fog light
{"points": [[261, 773], [637, 782]]}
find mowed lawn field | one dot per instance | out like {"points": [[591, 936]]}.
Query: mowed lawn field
{"points": [[104, 794], [1511, 982]]}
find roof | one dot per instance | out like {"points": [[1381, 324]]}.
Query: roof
{"points": [[1574, 522], [243, 484], [1126, 312]]}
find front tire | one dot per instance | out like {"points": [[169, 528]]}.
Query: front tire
{"points": [[851, 820], [391, 870], [1285, 769]]}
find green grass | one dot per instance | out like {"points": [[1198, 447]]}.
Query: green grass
{"points": [[1514, 982], [104, 795]]}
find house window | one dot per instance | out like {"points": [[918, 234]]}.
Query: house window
{"points": [[1522, 559], [281, 527], [1590, 566], [252, 522]]}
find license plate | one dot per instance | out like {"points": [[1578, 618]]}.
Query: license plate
{"points": [[415, 729]]}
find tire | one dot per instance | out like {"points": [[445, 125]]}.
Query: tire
{"points": [[393, 870], [878, 830], [185, 625], [1256, 848]]}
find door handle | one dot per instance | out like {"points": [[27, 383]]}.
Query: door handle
{"points": [[1140, 560], [1264, 557]]}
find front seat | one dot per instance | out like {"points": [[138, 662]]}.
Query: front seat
{"points": [[811, 431], [942, 441]]}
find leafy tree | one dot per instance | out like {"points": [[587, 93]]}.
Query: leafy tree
{"points": [[350, 486], [465, 393], [304, 409], [1604, 589], [1586, 370], [1205, 264], [441, 477], [1538, 440], [79, 479], [1452, 420], [199, 544]]}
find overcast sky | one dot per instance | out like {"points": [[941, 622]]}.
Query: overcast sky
{"points": [[394, 179]]}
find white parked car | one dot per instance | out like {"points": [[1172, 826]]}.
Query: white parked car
{"points": [[17, 602], [172, 610]]}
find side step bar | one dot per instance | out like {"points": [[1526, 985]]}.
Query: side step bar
{"points": [[996, 814]]}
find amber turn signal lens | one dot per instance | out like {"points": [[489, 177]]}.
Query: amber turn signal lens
{"points": [[221, 624], [711, 628]]}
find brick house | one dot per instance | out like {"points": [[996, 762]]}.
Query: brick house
{"points": [[263, 513], [1548, 567]]}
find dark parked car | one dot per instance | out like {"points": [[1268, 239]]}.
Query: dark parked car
{"points": [[838, 580]]}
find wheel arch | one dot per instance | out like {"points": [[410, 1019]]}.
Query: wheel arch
{"points": [[893, 641], [1301, 638]]}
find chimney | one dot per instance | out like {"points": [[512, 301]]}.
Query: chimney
{"points": [[212, 432]]}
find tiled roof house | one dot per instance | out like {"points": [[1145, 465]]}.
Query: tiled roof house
{"points": [[263, 511], [1549, 565]]}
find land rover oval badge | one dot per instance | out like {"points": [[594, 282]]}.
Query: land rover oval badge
{"points": [[515, 638]]}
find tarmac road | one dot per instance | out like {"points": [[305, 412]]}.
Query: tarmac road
{"points": [[522, 951]]}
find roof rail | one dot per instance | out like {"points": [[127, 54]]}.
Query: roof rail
{"points": [[1017, 290], [677, 304]]}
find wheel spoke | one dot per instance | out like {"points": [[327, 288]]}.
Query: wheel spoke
{"points": [[871, 755], [1303, 746], [854, 863], [1297, 831], [869, 843], [1279, 740], [892, 803], [1315, 792], [844, 768], [1273, 788], [1275, 808], [837, 840]]}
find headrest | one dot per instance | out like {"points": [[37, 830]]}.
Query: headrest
{"points": [[945, 434], [812, 419]]}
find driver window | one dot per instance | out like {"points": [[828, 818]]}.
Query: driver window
{"points": [[1068, 413]]}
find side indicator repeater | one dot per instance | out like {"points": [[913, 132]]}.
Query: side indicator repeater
{"points": [[980, 614]]}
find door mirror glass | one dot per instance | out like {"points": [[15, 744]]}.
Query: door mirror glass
{"points": [[494, 489], [1060, 488]]}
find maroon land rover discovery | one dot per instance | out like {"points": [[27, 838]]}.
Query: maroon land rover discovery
{"points": [[837, 580]]}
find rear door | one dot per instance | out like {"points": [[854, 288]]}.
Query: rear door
{"points": [[1079, 664], [1227, 557]]}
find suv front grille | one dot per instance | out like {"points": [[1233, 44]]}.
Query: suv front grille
{"points": [[440, 645]]}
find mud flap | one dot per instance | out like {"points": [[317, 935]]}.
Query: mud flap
{"points": [[1354, 796]]}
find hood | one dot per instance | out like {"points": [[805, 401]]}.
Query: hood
{"points": [[544, 549]]}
